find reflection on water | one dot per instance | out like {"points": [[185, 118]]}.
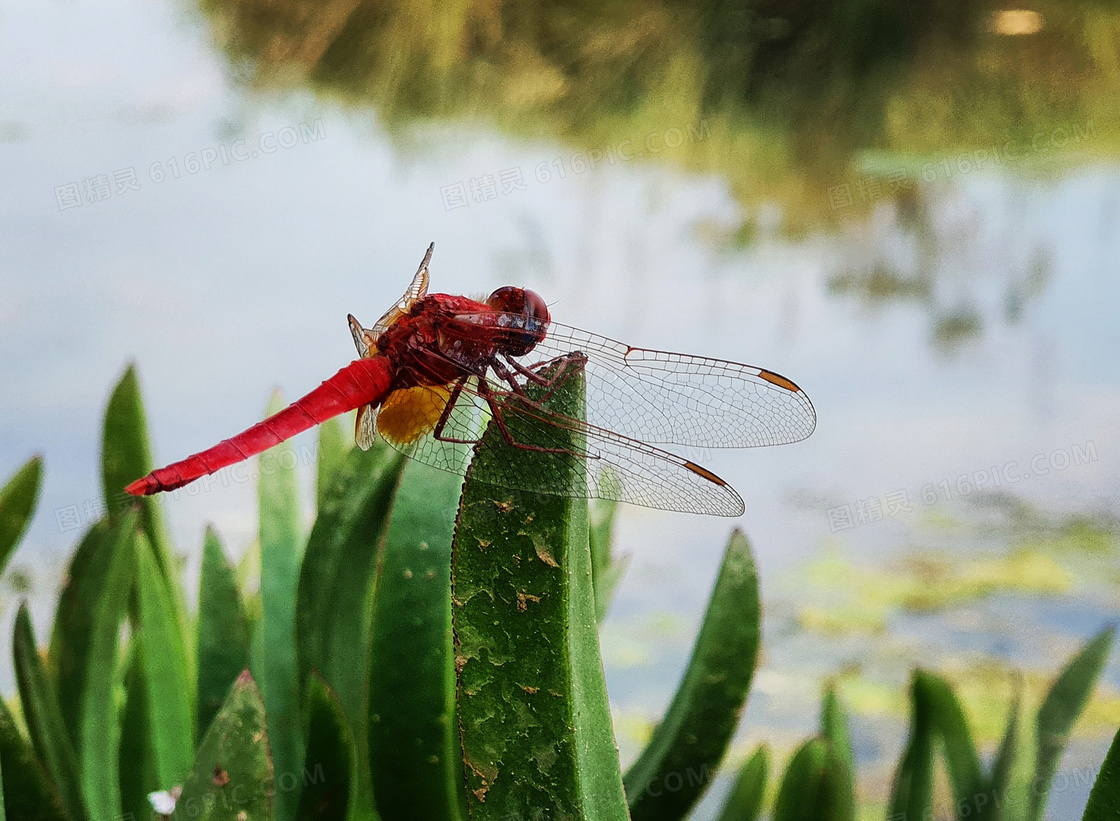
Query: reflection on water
{"points": [[917, 251]]}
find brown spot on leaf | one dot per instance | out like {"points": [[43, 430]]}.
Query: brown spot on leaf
{"points": [[220, 778], [545, 555], [523, 599]]}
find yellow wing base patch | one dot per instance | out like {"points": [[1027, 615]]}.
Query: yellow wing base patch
{"points": [[409, 413]]}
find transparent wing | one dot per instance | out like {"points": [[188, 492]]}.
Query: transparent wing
{"points": [[606, 464], [365, 427], [365, 339], [674, 398], [466, 420]]}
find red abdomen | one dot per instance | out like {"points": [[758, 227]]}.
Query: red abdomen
{"points": [[362, 382]]}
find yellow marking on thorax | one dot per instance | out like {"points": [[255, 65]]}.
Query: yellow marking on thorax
{"points": [[409, 413]]}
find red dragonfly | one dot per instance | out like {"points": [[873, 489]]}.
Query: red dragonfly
{"points": [[435, 369]]}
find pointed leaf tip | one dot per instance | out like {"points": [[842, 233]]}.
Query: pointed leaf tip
{"points": [[17, 502]]}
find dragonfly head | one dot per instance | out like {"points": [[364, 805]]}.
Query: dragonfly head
{"points": [[525, 314]]}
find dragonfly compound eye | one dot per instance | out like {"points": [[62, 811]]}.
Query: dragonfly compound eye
{"points": [[524, 311]]}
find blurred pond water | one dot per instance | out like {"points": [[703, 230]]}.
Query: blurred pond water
{"points": [[914, 217]]}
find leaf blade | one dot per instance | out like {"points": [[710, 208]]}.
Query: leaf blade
{"points": [[232, 775], [44, 719], [222, 632], [165, 670], [18, 498], [1059, 711], [912, 790], [74, 618], [744, 802], [329, 749], [281, 551], [414, 756], [334, 443], [28, 793], [951, 726], [694, 734], [99, 729], [137, 760], [841, 761], [799, 796], [127, 455], [336, 577], [1104, 799], [523, 611]]}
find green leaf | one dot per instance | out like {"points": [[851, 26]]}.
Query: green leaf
{"points": [[17, 502], [675, 767], [223, 631], [28, 793], [333, 610], [44, 720], [534, 720], [841, 761], [329, 754], [232, 777], [335, 442], [336, 578], [281, 551], [138, 775], [951, 726], [744, 803], [606, 571], [1104, 800], [74, 621], [800, 796], [1002, 766], [414, 757], [125, 456], [165, 671], [912, 791], [1060, 710], [99, 729]]}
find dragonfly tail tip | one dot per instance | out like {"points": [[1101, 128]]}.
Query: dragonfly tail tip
{"points": [[145, 486]]}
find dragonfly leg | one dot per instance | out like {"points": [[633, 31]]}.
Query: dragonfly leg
{"points": [[518, 390], [496, 410], [551, 383], [531, 374], [437, 432]]}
